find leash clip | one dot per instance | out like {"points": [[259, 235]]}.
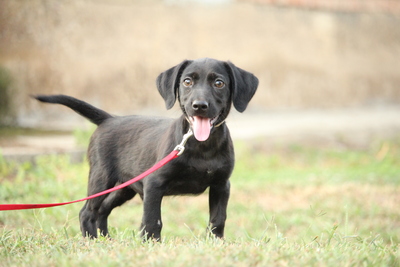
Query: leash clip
{"points": [[181, 146]]}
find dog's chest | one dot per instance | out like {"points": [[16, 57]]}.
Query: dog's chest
{"points": [[194, 178]]}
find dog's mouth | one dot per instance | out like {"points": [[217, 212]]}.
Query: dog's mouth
{"points": [[202, 126]]}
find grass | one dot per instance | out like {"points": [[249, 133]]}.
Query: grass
{"points": [[289, 206]]}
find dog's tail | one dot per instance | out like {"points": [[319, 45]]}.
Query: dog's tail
{"points": [[95, 115]]}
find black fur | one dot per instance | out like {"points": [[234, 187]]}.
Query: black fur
{"points": [[95, 115], [124, 147]]}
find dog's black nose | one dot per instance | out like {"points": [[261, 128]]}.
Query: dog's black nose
{"points": [[200, 105]]}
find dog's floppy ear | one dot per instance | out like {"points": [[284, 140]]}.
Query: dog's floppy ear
{"points": [[168, 83], [243, 86]]}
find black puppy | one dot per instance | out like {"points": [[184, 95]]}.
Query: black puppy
{"points": [[124, 147]]}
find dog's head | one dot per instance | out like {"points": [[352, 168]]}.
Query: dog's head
{"points": [[205, 89]]}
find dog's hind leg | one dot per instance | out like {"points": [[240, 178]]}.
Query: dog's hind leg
{"points": [[88, 217], [89, 214], [113, 200]]}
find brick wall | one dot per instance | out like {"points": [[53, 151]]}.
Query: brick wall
{"points": [[386, 6]]}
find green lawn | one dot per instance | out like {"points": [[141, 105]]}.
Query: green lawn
{"points": [[289, 206]]}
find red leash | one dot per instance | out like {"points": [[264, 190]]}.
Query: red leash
{"points": [[174, 154]]}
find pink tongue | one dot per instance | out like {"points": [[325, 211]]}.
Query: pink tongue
{"points": [[201, 128]]}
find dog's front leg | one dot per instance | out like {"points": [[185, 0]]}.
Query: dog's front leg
{"points": [[151, 221], [218, 201]]}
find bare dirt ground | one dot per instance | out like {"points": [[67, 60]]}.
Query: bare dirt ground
{"points": [[355, 128]]}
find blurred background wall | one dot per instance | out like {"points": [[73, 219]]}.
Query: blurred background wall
{"points": [[307, 54]]}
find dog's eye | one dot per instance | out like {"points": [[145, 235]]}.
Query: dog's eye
{"points": [[187, 82], [219, 84]]}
